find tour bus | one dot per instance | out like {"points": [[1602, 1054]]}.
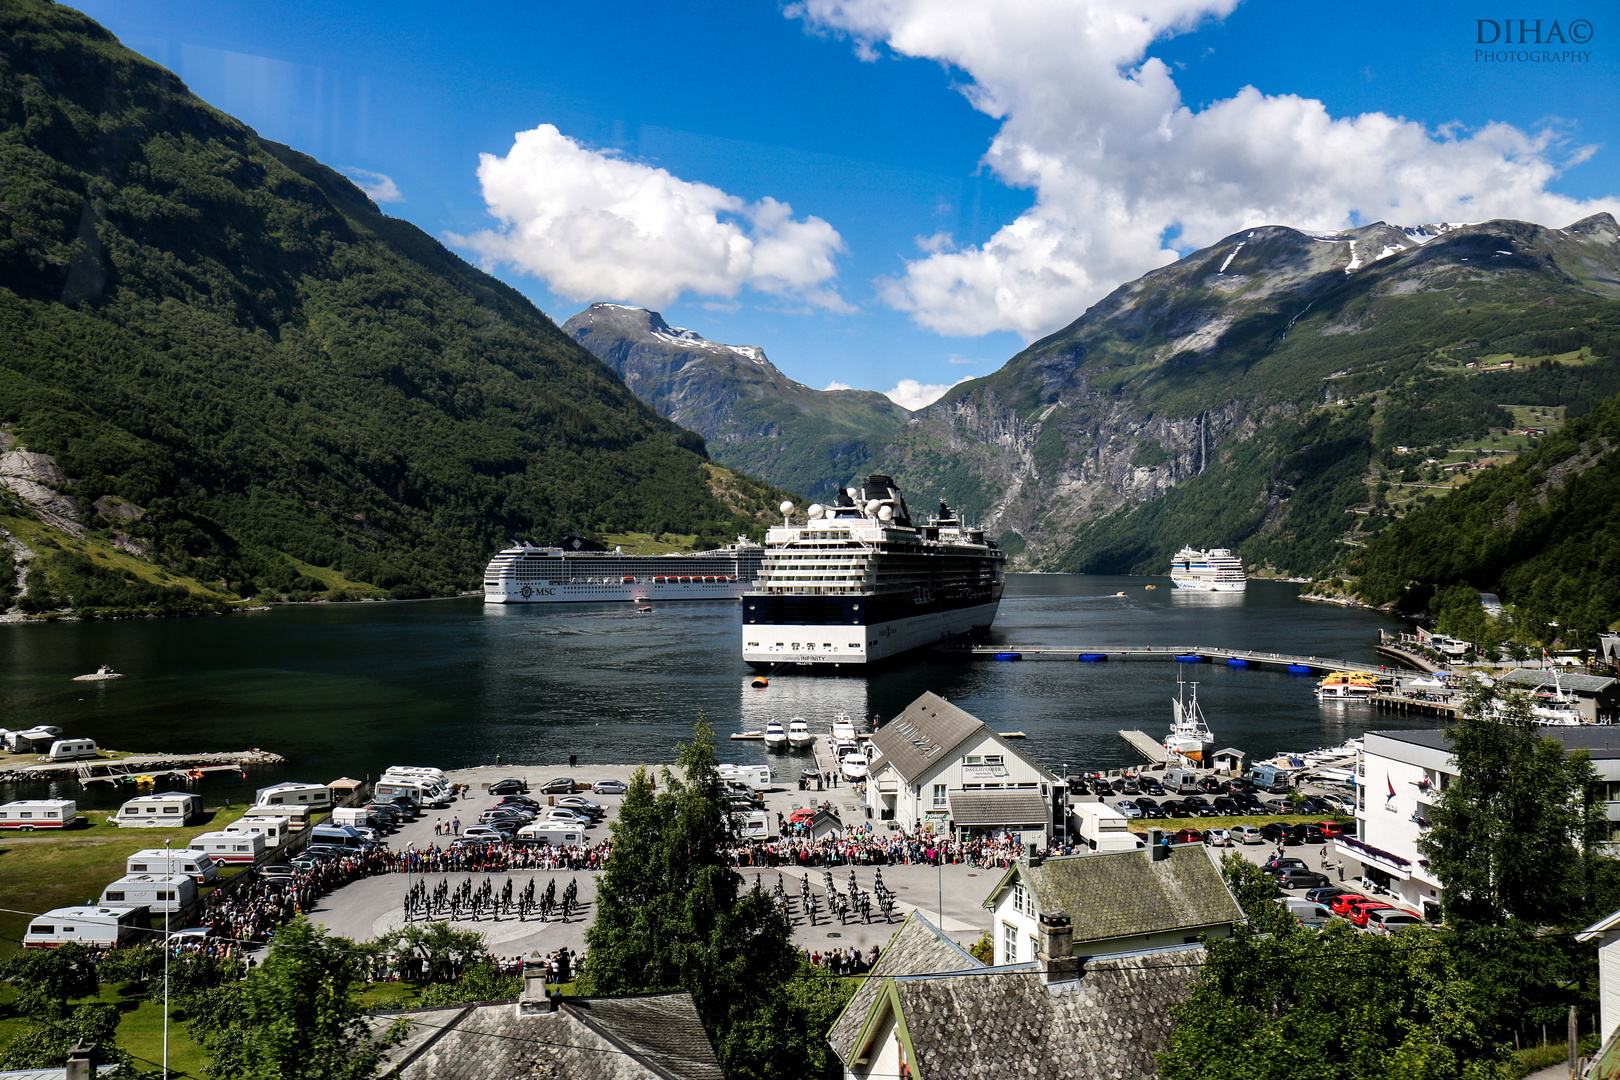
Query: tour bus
{"points": [[306, 796], [228, 847], [195, 864], [30, 814], [165, 808], [554, 833], [70, 750], [160, 892], [273, 828], [108, 927]]}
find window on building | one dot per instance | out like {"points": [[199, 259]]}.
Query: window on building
{"points": [[1034, 947], [973, 759], [1018, 898], [939, 795], [992, 759], [1009, 943]]}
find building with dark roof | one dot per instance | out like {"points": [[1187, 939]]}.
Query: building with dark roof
{"points": [[635, 1037], [1597, 697], [1118, 901], [928, 1010], [941, 767]]}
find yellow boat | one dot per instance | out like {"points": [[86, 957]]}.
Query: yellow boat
{"points": [[1348, 685]]}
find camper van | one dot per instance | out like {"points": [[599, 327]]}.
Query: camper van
{"points": [[1182, 781], [108, 927], [753, 825], [756, 776], [194, 864], [1103, 828], [433, 793], [160, 892], [167, 808], [228, 847], [70, 750], [436, 775], [31, 740], [30, 814], [307, 796], [1270, 778], [345, 836], [389, 790], [555, 833], [273, 828]]}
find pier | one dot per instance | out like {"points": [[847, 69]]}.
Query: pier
{"points": [[1147, 746], [155, 765], [1299, 665], [1400, 703]]}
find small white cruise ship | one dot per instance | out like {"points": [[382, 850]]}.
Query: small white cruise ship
{"points": [[578, 570], [1215, 570], [859, 582]]}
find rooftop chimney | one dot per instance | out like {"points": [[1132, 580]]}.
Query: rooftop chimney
{"points": [[1056, 957], [1158, 847], [1034, 859], [81, 1063], [533, 997]]}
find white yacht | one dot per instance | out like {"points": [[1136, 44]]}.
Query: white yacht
{"points": [[775, 735], [799, 733], [854, 761], [1215, 570], [858, 582], [578, 570], [843, 728]]}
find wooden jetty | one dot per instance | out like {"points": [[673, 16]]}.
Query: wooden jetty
{"points": [[1313, 665], [1400, 703], [120, 770], [1148, 746]]}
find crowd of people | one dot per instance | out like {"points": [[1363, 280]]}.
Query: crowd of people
{"points": [[845, 961], [863, 846]]}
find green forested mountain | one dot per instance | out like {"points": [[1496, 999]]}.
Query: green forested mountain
{"points": [[1254, 394], [245, 371], [1543, 533], [752, 416]]}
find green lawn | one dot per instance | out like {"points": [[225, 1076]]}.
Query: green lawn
{"points": [[140, 1031]]}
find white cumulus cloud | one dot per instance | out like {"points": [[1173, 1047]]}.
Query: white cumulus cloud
{"points": [[1100, 133], [379, 187], [595, 225], [911, 394], [836, 385]]}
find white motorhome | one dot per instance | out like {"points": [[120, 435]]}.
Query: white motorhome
{"points": [[31, 740], [105, 926], [70, 750], [757, 776], [555, 833], [1103, 828], [389, 790], [436, 775], [161, 809], [357, 817], [274, 828], [434, 793], [195, 864], [753, 825], [160, 892], [304, 796], [30, 814], [228, 847]]}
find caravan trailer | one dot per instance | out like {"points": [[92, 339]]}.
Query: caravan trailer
{"points": [[166, 808], [108, 927], [195, 864], [31, 740], [436, 775], [431, 792], [30, 814], [273, 828], [71, 750], [303, 796], [160, 892], [228, 847]]}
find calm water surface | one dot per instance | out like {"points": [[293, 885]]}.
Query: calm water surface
{"points": [[352, 688]]}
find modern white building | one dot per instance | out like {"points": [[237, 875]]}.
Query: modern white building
{"points": [[941, 768], [1399, 777]]}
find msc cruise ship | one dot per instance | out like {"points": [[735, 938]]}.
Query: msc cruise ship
{"points": [[580, 570], [858, 582]]}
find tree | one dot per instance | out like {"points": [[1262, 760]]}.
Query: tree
{"points": [[672, 913], [46, 1043], [1514, 834], [45, 980], [443, 951], [480, 982], [295, 1018], [1256, 892]]}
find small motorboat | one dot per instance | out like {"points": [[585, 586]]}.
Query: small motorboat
{"points": [[643, 609], [843, 728], [1150, 586], [101, 674], [798, 732], [853, 762], [775, 735]]}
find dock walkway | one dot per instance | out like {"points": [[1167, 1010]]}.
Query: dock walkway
{"points": [[1147, 746], [1314, 665]]}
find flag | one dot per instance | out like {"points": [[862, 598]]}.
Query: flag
{"points": [[1391, 784]]}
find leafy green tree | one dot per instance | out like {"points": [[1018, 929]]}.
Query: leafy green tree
{"points": [[1514, 834], [1256, 892], [480, 982], [46, 1043], [445, 951], [672, 913], [45, 980]]}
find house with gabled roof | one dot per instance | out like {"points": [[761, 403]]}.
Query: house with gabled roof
{"points": [[929, 1010], [1148, 898], [942, 768]]}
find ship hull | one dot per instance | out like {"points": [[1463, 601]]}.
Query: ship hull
{"points": [[766, 645], [1195, 585]]}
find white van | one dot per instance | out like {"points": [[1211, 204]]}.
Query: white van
{"points": [[273, 828], [197, 865], [166, 808], [160, 892], [228, 847], [1305, 912], [30, 814], [105, 926], [753, 825], [555, 833], [70, 750], [308, 796]]}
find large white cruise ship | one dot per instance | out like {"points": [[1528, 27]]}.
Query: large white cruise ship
{"points": [[858, 582], [578, 570], [1215, 570]]}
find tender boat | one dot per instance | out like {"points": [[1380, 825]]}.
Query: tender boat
{"points": [[775, 734], [1347, 686], [799, 733]]}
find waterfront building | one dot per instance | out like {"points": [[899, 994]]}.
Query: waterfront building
{"points": [[1606, 933], [1595, 697], [942, 769]]}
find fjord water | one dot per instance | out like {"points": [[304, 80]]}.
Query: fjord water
{"points": [[352, 688]]}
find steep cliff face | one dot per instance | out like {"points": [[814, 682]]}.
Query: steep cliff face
{"points": [[751, 415], [1223, 376]]}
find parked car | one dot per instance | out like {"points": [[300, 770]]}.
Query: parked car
{"points": [[1309, 834], [1330, 829], [563, 813], [1360, 912], [802, 814], [500, 814], [1276, 863], [1237, 784], [522, 802], [1208, 785], [1197, 804], [1148, 808], [1247, 834], [1173, 808], [1226, 806], [1246, 799], [596, 810], [511, 786], [1280, 832], [1390, 920], [1327, 893], [1295, 878], [1129, 808], [1150, 786], [1128, 786], [278, 870], [1188, 836], [484, 833], [610, 787], [561, 785], [1340, 905], [1218, 838]]}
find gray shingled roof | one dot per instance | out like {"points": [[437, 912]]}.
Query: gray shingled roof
{"points": [[1579, 682], [1004, 1022], [638, 1037], [1124, 893], [923, 735], [1007, 806], [917, 948]]}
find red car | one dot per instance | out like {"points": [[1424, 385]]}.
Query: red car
{"points": [[804, 814], [1188, 836], [1340, 904], [1358, 912], [1329, 829]]}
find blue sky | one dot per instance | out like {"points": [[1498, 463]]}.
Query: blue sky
{"points": [[878, 191]]}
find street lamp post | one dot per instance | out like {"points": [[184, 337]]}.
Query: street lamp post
{"points": [[166, 950]]}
